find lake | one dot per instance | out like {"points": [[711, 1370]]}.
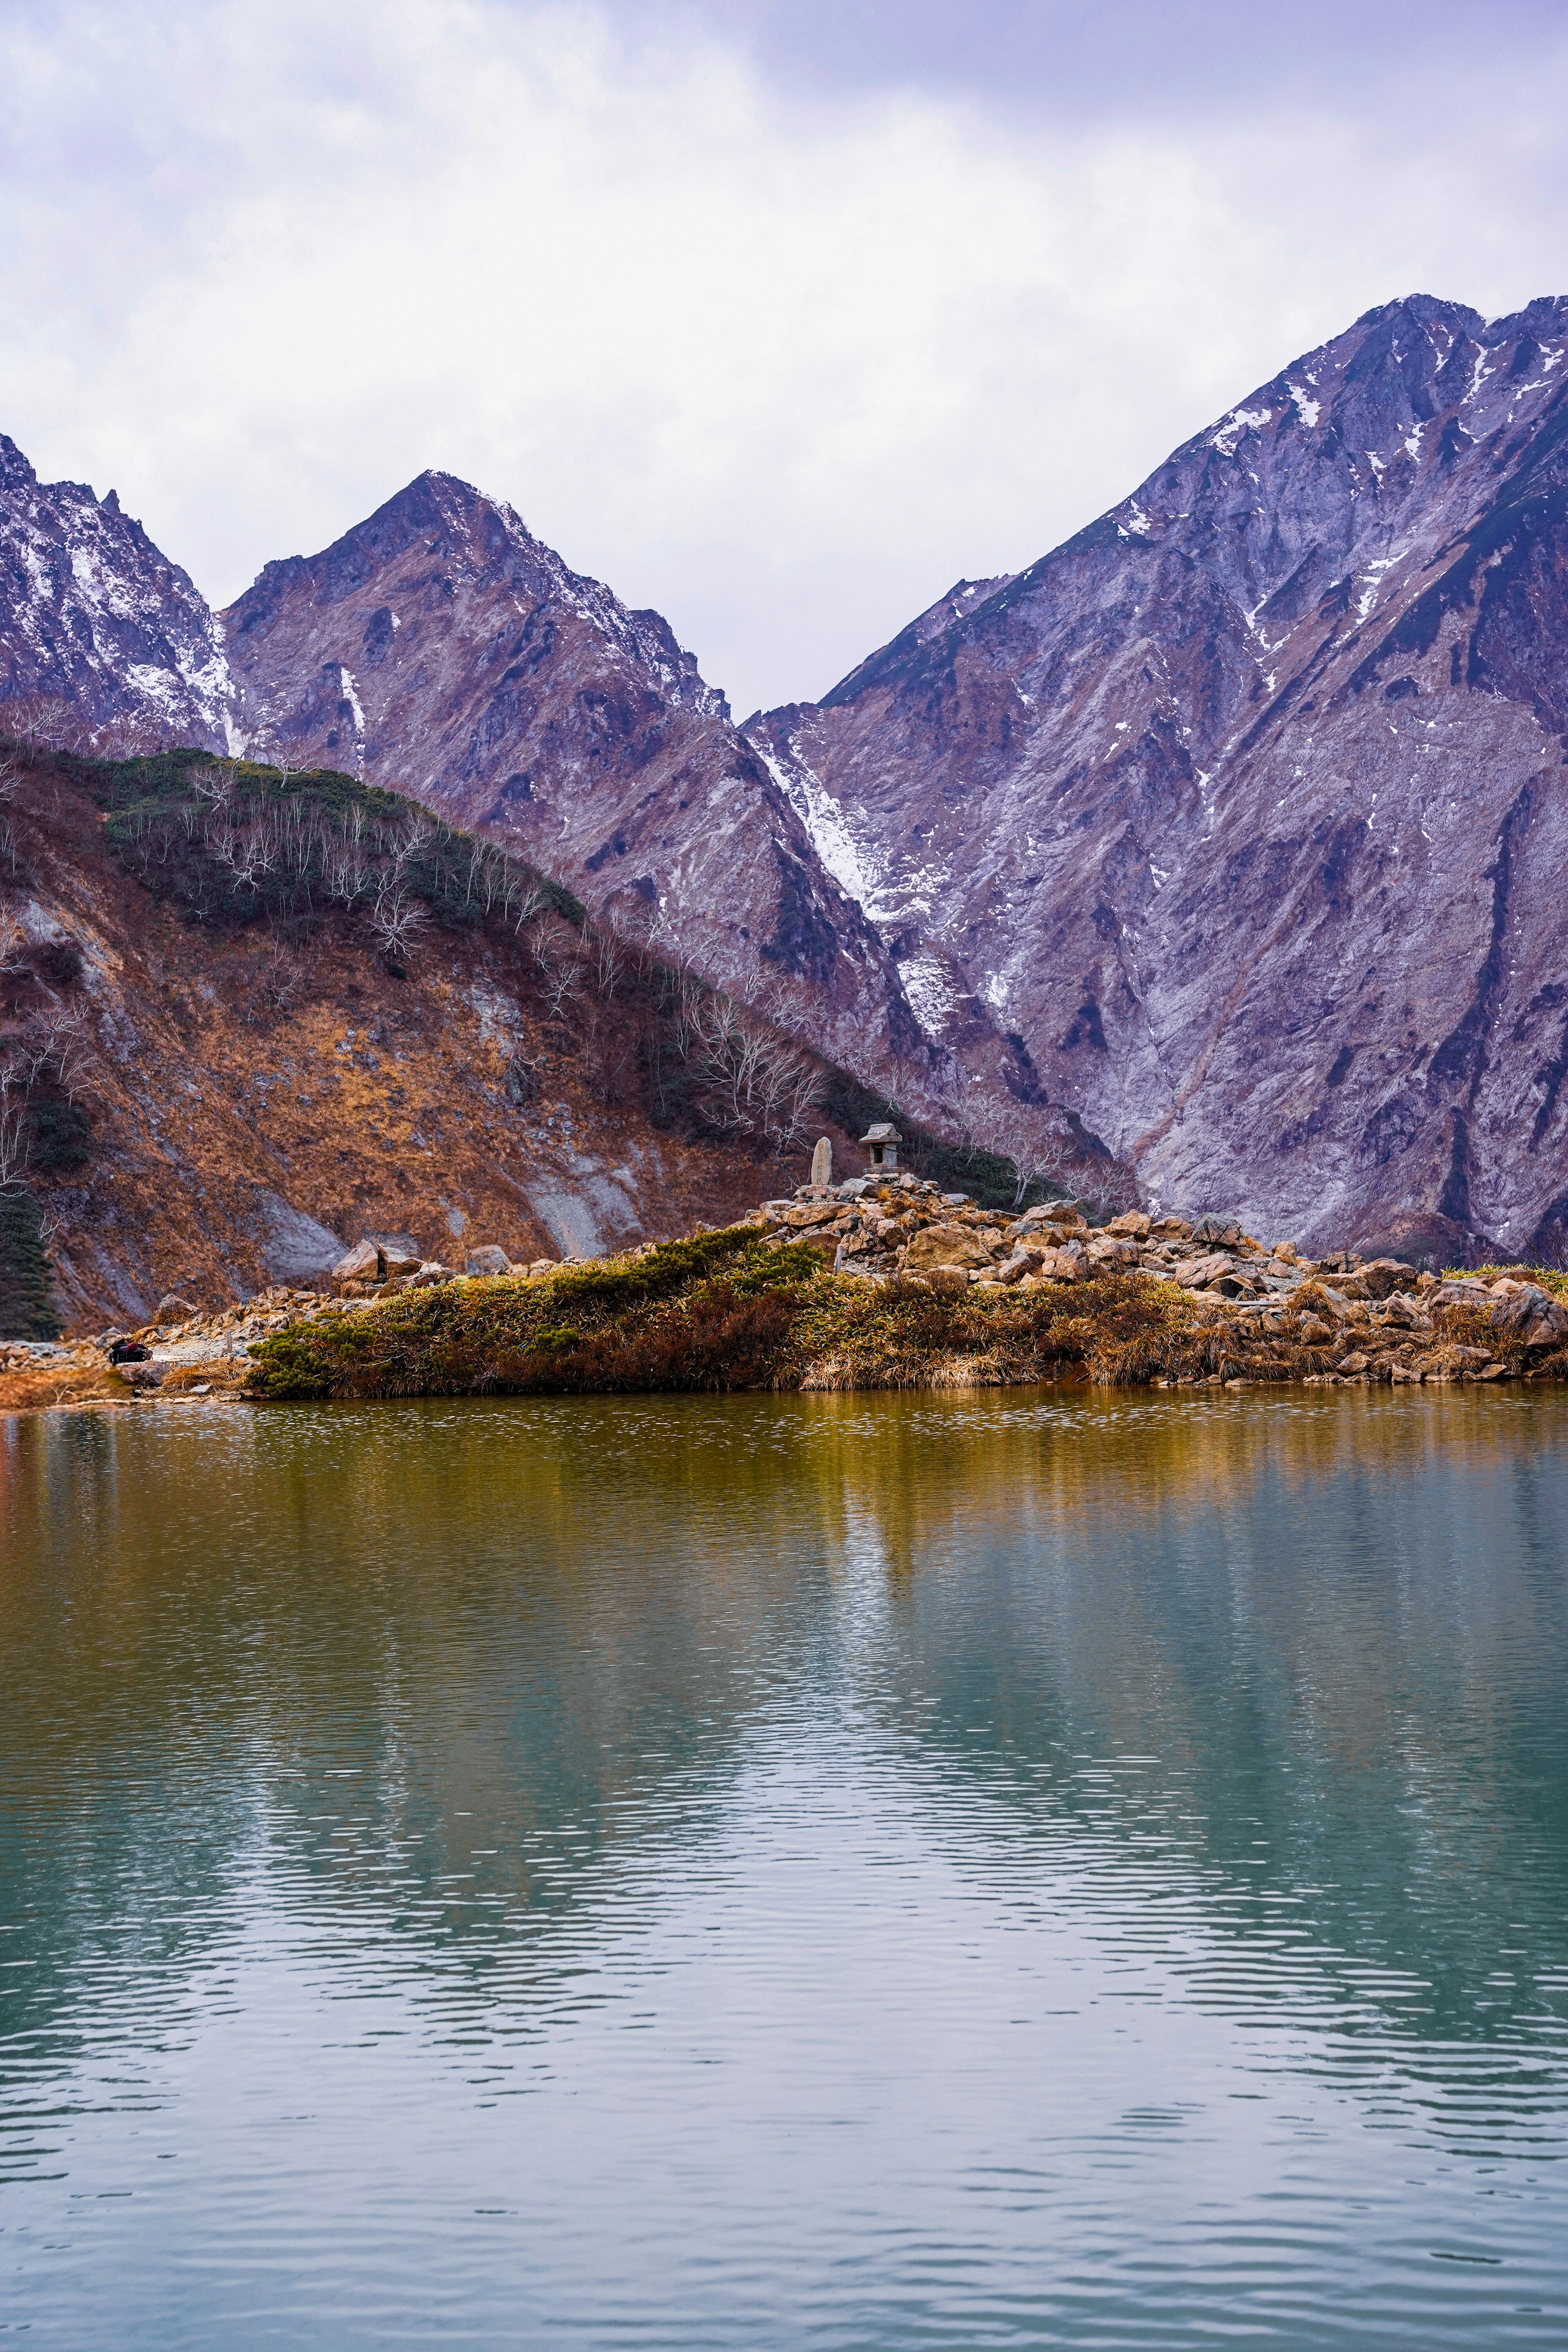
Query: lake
{"points": [[723, 1874]]}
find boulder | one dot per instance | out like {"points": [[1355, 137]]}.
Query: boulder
{"points": [[811, 1213], [950, 1278], [400, 1253], [1133, 1222], [1533, 1315], [1461, 1292], [1060, 1265], [1197, 1273], [1222, 1233], [174, 1309], [1110, 1249], [950, 1246], [363, 1263], [1314, 1331], [486, 1260], [431, 1275], [1404, 1313], [1384, 1275]]}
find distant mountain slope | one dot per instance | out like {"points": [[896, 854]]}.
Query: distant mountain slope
{"points": [[92, 612], [440, 649], [1243, 814], [222, 1074]]}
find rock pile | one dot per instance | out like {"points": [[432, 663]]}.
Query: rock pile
{"points": [[379, 1263], [880, 1226], [1365, 1320]]}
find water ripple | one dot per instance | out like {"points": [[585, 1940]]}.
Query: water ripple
{"points": [[841, 1872]]}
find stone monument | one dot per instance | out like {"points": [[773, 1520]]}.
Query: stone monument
{"points": [[822, 1162]]}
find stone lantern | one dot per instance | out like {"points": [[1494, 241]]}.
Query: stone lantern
{"points": [[881, 1142]]}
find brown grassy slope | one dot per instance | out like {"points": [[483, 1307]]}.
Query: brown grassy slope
{"points": [[230, 1077]]}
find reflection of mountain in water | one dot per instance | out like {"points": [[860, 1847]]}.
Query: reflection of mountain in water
{"points": [[1268, 1650], [1268, 1693]]}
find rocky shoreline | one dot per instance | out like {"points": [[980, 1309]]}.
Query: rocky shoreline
{"points": [[872, 1283]]}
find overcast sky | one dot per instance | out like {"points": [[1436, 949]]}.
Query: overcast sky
{"points": [[780, 315]]}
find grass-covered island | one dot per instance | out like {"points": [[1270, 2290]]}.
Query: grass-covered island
{"points": [[870, 1285]]}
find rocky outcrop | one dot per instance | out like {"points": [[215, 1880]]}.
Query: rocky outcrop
{"points": [[1239, 823]]}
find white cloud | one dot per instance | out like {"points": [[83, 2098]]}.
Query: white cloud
{"points": [[784, 367]]}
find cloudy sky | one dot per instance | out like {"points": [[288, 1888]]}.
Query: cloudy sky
{"points": [[780, 315]]}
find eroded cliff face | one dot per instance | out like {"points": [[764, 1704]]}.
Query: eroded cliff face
{"points": [[441, 650], [1243, 816]]}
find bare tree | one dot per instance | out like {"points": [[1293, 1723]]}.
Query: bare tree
{"points": [[754, 1081], [280, 978], [397, 918], [564, 981], [60, 1041], [609, 962], [344, 860], [215, 785], [412, 839], [15, 1142]]}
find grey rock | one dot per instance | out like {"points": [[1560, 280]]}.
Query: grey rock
{"points": [[488, 1260], [362, 1264]]}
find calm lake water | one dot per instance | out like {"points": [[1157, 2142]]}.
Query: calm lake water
{"points": [[763, 1873]]}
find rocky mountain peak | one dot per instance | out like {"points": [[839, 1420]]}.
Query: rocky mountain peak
{"points": [[92, 613], [1223, 812]]}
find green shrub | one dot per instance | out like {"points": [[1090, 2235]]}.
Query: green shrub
{"points": [[27, 1307], [287, 1368]]}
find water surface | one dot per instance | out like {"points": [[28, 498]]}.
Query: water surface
{"points": [[762, 1873]]}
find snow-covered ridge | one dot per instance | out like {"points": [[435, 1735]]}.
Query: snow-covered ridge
{"points": [[92, 612]]}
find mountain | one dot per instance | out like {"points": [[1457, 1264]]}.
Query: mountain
{"points": [[1234, 827], [441, 650], [1239, 823], [93, 615]]}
